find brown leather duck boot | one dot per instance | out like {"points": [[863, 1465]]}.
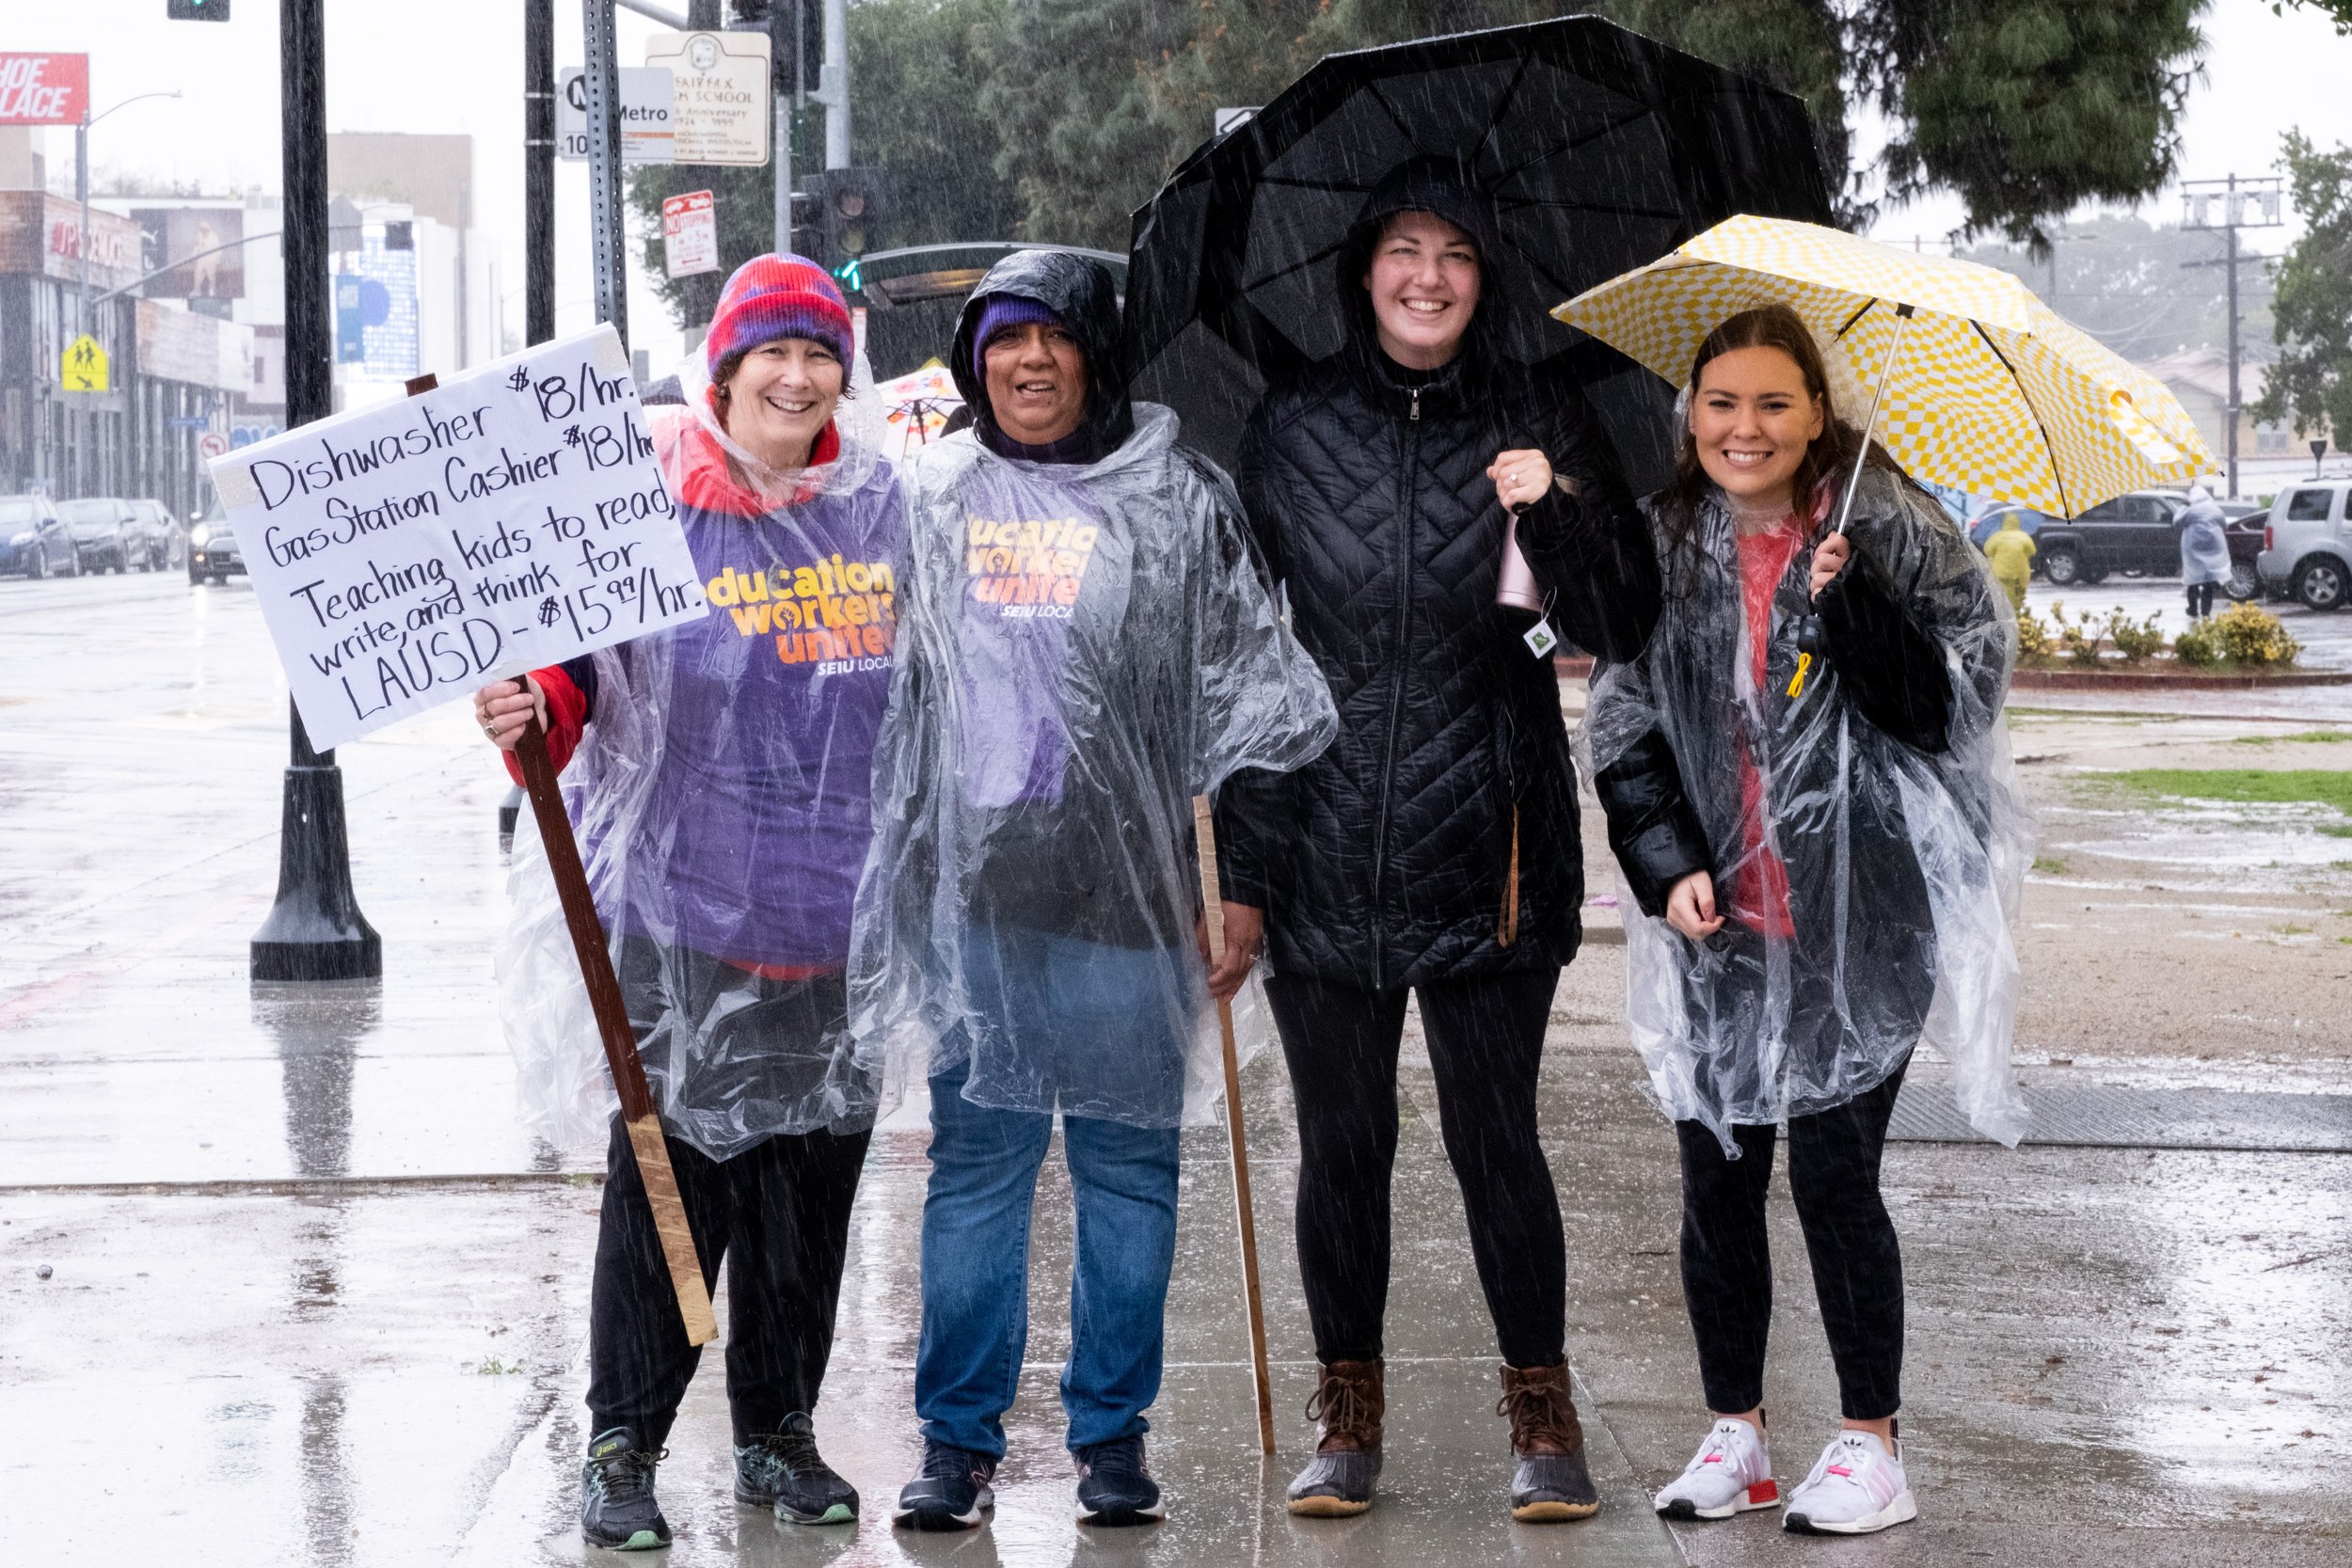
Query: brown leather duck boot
{"points": [[1550, 1483], [1350, 1402]]}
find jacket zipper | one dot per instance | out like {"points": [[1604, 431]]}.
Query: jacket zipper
{"points": [[1396, 698]]}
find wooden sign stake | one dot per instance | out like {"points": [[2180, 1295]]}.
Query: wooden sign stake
{"points": [[1212, 904], [620, 1040]]}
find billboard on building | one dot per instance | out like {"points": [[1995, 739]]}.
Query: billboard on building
{"points": [[44, 89], [200, 245]]}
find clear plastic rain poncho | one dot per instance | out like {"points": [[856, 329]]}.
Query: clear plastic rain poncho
{"points": [[1083, 648], [2204, 540], [1903, 867], [721, 793]]}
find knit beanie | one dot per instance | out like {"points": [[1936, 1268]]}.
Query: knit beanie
{"points": [[776, 296], [1001, 312]]}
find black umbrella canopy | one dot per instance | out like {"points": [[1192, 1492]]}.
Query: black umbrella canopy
{"points": [[1601, 149]]}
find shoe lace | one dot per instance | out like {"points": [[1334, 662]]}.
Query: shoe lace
{"points": [[795, 1451], [1533, 1410], [939, 1459], [1341, 1404], [627, 1475]]}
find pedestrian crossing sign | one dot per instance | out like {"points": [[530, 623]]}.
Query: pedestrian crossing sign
{"points": [[83, 366]]}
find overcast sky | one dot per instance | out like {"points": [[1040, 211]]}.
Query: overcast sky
{"points": [[457, 66]]}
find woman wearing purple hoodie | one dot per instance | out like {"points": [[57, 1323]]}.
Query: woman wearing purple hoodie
{"points": [[719, 777]]}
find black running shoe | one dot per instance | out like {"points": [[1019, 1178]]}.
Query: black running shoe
{"points": [[617, 1502], [1114, 1486], [782, 1469], [952, 1491]]}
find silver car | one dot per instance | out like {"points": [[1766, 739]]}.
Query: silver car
{"points": [[2307, 545]]}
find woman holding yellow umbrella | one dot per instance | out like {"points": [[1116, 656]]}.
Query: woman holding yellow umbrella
{"points": [[1806, 777]]}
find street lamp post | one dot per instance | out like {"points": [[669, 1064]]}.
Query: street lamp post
{"points": [[314, 931]]}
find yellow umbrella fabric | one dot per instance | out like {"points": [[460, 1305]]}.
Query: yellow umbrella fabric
{"points": [[1992, 391]]}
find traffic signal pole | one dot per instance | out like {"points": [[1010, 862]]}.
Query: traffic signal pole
{"points": [[314, 931], [538, 170], [784, 32], [600, 78]]}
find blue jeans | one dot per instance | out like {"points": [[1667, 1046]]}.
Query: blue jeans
{"points": [[976, 1269]]}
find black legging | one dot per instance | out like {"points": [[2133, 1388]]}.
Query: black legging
{"points": [[2199, 600], [778, 1214], [1485, 1043], [1857, 1263]]}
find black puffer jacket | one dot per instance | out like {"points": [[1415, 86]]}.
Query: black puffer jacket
{"points": [[1439, 837]]}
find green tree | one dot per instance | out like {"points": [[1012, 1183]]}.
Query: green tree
{"points": [[2311, 386]]}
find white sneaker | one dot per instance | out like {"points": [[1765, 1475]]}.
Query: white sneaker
{"points": [[1857, 1489], [1731, 1473]]}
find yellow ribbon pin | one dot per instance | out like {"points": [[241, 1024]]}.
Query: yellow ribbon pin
{"points": [[1805, 662]]}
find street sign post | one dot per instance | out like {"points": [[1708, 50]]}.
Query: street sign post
{"points": [[648, 133], [723, 102], [690, 233], [82, 368]]}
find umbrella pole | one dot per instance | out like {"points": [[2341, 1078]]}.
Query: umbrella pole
{"points": [[1878, 396], [1213, 907]]}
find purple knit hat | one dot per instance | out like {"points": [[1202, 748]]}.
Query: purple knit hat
{"points": [[777, 296], [1001, 312]]}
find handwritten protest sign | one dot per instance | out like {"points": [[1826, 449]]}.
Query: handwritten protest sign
{"points": [[513, 517]]}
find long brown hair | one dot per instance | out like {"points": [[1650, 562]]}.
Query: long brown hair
{"points": [[1826, 458]]}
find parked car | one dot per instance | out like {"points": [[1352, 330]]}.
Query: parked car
{"points": [[2137, 535], [212, 552], [34, 540], [102, 531], [2307, 545], [166, 541]]}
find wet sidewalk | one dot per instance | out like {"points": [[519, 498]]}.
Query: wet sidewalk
{"points": [[313, 1297]]}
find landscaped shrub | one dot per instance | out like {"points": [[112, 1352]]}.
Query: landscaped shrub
{"points": [[2201, 645], [2249, 634], [2134, 640], [2033, 637]]}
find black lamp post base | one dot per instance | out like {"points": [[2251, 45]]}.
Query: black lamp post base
{"points": [[315, 930]]}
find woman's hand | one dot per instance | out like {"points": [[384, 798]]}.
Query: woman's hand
{"points": [[1245, 932], [1828, 556], [503, 707], [1690, 906], [1520, 477]]}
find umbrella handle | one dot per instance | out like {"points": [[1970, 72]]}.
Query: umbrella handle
{"points": [[1878, 396]]}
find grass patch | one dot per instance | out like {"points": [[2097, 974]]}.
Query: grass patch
{"points": [[2305, 738], [2337, 830], [2049, 867], [2324, 786]]}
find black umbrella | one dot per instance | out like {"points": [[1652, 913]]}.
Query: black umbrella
{"points": [[1602, 149]]}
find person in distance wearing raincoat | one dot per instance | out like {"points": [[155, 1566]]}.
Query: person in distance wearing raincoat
{"points": [[720, 774], [2204, 550], [1436, 848], [1086, 644], [1809, 792], [2010, 553]]}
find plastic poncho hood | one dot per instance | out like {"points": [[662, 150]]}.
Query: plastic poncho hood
{"points": [[1903, 867], [721, 793], [1081, 293], [1083, 648]]}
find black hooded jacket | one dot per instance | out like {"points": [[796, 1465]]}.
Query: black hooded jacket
{"points": [[1439, 835]]}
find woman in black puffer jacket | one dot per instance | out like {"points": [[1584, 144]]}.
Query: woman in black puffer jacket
{"points": [[1435, 847]]}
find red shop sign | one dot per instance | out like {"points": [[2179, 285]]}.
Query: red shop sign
{"points": [[44, 89]]}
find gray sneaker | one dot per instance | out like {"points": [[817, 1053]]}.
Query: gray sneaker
{"points": [[616, 1503], [782, 1470]]}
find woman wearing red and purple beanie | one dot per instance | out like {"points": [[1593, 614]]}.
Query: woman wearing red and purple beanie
{"points": [[719, 773]]}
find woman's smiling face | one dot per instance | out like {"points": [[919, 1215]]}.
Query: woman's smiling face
{"points": [[780, 399], [1752, 420], [1425, 281]]}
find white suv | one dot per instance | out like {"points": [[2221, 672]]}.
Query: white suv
{"points": [[2307, 545]]}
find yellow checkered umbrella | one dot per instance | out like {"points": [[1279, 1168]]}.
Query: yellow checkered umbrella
{"points": [[1975, 383]]}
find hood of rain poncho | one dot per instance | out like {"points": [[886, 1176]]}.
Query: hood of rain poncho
{"points": [[2205, 539], [722, 796], [1078, 291], [1084, 647], [1904, 868]]}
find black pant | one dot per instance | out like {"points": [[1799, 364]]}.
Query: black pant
{"points": [[779, 1214], [2199, 600], [1857, 1264], [1486, 1042]]}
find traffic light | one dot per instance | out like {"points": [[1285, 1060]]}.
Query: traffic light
{"points": [[797, 31], [196, 10], [852, 206]]}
